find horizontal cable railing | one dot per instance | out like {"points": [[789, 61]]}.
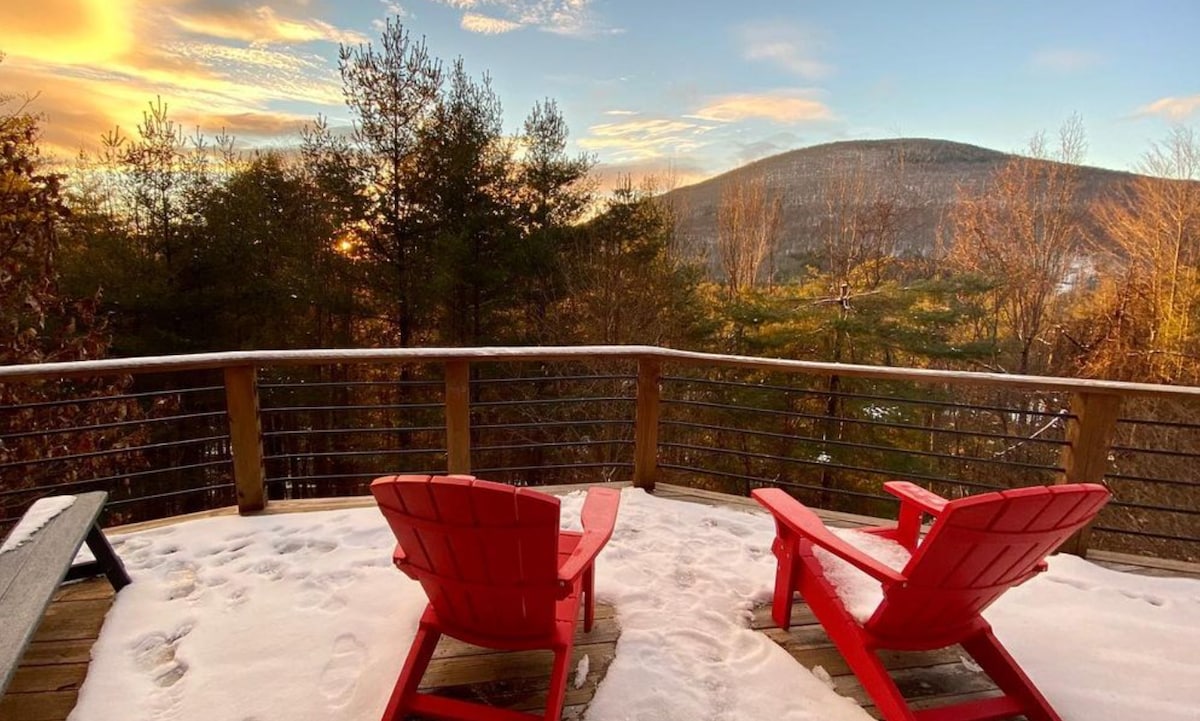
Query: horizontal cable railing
{"points": [[196, 432], [327, 437], [834, 441], [166, 453], [1155, 478]]}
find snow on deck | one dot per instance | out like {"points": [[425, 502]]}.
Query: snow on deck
{"points": [[301, 616]]}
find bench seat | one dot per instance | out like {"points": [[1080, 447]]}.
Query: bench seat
{"points": [[31, 572]]}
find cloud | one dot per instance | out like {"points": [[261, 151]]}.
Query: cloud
{"points": [[394, 8], [1174, 109], [562, 17], [249, 124], [794, 48], [646, 139], [622, 113], [216, 63], [475, 23], [1064, 61], [261, 25], [659, 174], [787, 106]]}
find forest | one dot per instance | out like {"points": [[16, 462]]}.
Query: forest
{"points": [[431, 224]]}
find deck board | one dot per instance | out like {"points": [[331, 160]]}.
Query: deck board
{"points": [[45, 686]]}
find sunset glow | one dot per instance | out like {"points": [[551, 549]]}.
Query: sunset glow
{"points": [[699, 88]]}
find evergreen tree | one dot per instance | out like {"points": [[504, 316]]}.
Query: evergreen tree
{"points": [[555, 192], [623, 284], [392, 92], [460, 195]]}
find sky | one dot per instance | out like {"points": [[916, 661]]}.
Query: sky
{"points": [[301, 616], [685, 89]]}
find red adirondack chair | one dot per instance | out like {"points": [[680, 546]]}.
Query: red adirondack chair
{"points": [[498, 573], [977, 548]]}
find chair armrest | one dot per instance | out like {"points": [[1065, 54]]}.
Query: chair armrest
{"points": [[796, 517], [915, 502], [927, 501], [599, 515]]}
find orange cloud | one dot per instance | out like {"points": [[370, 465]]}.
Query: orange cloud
{"points": [[1172, 108], [779, 107], [260, 124], [640, 140], [95, 64], [261, 25], [658, 175]]}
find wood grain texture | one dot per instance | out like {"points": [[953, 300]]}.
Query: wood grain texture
{"points": [[458, 417], [31, 573], [645, 426], [1089, 436], [245, 436], [201, 361]]}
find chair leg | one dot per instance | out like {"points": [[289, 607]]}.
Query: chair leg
{"points": [[872, 674], [850, 640], [786, 568], [419, 656], [589, 598], [995, 660], [558, 682], [109, 561]]}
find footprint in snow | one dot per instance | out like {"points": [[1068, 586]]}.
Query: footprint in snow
{"points": [[319, 593], [154, 654], [339, 679], [181, 581], [294, 545]]}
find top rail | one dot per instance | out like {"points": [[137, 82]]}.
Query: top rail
{"points": [[207, 361]]}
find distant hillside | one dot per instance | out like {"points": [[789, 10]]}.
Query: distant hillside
{"points": [[922, 175]]}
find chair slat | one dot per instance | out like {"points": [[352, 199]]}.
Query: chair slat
{"points": [[453, 498], [978, 548]]}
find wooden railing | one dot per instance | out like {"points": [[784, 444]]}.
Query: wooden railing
{"points": [[1087, 443]]}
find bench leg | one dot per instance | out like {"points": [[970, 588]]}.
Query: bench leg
{"points": [[107, 561]]}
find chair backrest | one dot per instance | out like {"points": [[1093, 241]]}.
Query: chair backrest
{"points": [[978, 548], [485, 553]]}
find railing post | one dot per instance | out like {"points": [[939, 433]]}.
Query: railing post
{"points": [[1085, 457], [245, 437], [458, 416], [645, 424]]}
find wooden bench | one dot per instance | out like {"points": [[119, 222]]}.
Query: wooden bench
{"points": [[32, 572]]}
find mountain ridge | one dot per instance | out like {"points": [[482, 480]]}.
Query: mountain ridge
{"points": [[924, 176]]}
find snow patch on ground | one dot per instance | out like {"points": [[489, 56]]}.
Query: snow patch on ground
{"points": [[302, 616]]}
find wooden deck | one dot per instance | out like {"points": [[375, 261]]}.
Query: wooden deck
{"points": [[44, 688]]}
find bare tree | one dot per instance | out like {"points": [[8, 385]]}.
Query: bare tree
{"points": [[747, 233], [1147, 329], [862, 222], [1023, 232]]}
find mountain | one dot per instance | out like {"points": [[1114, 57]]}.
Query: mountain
{"points": [[922, 177]]}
